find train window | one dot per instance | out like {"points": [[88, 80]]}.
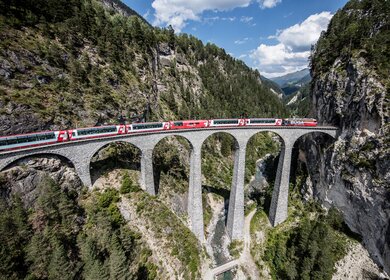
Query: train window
{"points": [[73, 133], [12, 141], [44, 136], [262, 120], [178, 123], [97, 130], [24, 139], [225, 121], [147, 126], [3, 142]]}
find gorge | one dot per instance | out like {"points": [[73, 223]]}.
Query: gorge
{"points": [[97, 61]]}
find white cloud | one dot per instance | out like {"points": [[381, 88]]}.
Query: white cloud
{"points": [[246, 19], [302, 36], [293, 50], [178, 12], [240, 42], [264, 4], [279, 59], [229, 18]]}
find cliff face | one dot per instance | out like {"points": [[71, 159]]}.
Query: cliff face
{"points": [[350, 89]]}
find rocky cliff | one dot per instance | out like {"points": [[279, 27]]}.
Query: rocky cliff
{"points": [[350, 90]]}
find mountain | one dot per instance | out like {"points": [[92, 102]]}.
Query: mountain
{"points": [[78, 63], [274, 87], [113, 65], [298, 102], [299, 77], [350, 89]]}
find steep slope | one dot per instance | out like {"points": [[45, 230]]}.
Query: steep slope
{"points": [[84, 62], [275, 88], [351, 89], [298, 102], [95, 64]]}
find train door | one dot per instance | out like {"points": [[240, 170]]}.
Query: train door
{"points": [[121, 129], [62, 136], [166, 125]]}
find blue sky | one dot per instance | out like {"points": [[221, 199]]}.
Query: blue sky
{"points": [[273, 36]]}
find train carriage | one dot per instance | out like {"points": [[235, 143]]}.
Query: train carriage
{"points": [[22, 141], [300, 122], [96, 132], [189, 124], [146, 127], [227, 122], [264, 122]]}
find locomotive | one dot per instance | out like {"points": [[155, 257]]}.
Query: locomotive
{"points": [[14, 142]]}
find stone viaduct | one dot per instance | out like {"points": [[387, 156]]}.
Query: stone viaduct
{"points": [[80, 154]]}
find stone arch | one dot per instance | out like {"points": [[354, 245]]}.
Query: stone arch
{"points": [[319, 140], [269, 152], [331, 133], [226, 148], [121, 151], [25, 172], [181, 153], [8, 162], [229, 188]]}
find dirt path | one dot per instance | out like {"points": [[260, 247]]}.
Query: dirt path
{"points": [[246, 259]]}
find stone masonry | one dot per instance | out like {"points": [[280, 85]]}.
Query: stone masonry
{"points": [[80, 154]]}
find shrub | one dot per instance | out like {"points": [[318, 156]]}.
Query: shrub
{"points": [[107, 197], [128, 185]]}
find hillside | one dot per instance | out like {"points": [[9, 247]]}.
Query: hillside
{"points": [[95, 64], [293, 78], [350, 89], [85, 62]]}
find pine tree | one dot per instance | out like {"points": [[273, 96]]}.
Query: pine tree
{"points": [[118, 261]]}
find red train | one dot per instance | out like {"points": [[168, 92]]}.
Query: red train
{"points": [[15, 142]]}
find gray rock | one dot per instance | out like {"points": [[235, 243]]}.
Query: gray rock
{"points": [[24, 178], [164, 49], [354, 175]]}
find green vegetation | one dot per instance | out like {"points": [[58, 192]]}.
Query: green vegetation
{"points": [[235, 248], [65, 237], [302, 105], [308, 251], [128, 185], [360, 29], [172, 233], [258, 146], [105, 68]]}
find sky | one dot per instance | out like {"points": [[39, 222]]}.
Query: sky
{"points": [[273, 36]]}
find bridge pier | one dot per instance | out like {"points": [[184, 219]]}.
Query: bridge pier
{"points": [[279, 201], [82, 170], [147, 174], [236, 216], [195, 207]]}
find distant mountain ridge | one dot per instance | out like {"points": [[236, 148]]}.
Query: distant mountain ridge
{"points": [[293, 78]]}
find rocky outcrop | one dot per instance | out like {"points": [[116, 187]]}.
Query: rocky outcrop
{"points": [[354, 173], [24, 178]]}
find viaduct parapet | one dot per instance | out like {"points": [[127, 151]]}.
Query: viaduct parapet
{"points": [[80, 154]]}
